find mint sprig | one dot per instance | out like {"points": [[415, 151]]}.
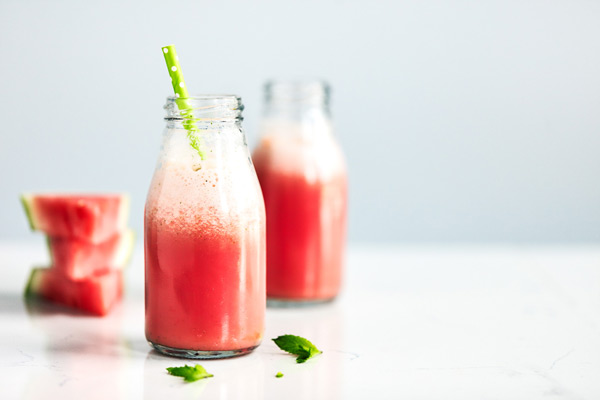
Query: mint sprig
{"points": [[297, 345], [190, 374]]}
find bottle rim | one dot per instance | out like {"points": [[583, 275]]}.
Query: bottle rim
{"points": [[206, 107], [205, 97], [309, 91]]}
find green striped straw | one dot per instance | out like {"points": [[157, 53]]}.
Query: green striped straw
{"points": [[182, 97]]}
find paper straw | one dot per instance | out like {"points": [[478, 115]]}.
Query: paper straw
{"points": [[182, 101]]}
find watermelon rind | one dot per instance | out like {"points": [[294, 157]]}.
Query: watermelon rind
{"points": [[27, 201], [125, 249], [49, 248], [33, 283], [124, 211]]}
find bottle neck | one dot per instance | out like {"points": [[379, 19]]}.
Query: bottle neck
{"points": [[204, 129], [209, 112], [297, 100], [297, 110]]}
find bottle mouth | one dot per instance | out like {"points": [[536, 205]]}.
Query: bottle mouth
{"points": [[208, 108], [297, 92]]}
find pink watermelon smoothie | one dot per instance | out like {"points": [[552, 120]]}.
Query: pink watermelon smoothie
{"points": [[304, 186], [305, 239], [204, 240], [201, 294]]}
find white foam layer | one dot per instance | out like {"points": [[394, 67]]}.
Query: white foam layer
{"points": [[187, 188], [306, 149]]}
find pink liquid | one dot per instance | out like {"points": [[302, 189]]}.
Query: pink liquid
{"points": [[306, 229], [204, 284]]}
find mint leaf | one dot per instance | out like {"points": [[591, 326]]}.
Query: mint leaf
{"points": [[190, 374], [279, 375], [297, 345]]}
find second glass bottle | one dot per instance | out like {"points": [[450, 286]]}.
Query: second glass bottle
{"points": [[302, 174]]}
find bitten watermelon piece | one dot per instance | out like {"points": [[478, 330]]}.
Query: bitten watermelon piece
{"points": [[95, 295], [79, 259], [94, 218]]}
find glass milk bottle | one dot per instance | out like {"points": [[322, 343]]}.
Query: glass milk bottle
{"points": [[302, 174], [204, 235]]}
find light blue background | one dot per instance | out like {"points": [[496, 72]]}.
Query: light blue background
{"points": [[461, 120]]}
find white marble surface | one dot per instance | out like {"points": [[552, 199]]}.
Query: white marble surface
{"points": [[413, 322]]}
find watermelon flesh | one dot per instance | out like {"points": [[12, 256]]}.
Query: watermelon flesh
{"points": [[95, 295], [94, 218], [78, 259]]}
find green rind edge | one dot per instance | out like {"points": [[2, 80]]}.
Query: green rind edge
{"points": [[26, 201], [50, 250], [30, 288], [128, 247]]}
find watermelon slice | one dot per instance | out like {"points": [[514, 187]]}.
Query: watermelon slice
{"points": [[79, 259], [94, 218], [95, 295]]}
